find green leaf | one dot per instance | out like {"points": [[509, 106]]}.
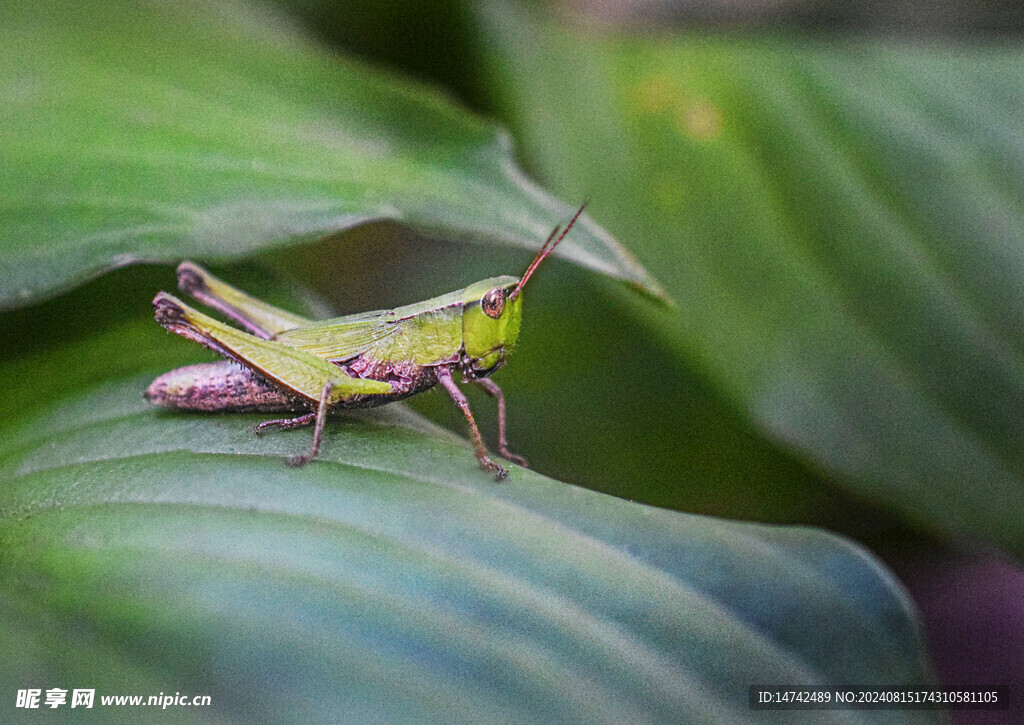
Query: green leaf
{"points": [[146, 551], [838, 222], [212, 129], [393, 580]]}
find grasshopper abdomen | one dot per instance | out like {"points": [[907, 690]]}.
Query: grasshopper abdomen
{"points": [[220, 386]]}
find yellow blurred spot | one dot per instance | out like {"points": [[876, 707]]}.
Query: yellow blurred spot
{"points": [[700, 119]]}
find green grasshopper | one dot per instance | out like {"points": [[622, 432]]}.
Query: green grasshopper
{"points": [[290, 364]]}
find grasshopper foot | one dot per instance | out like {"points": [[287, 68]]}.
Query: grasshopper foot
{"points": [[488, 465], [510, 456]]}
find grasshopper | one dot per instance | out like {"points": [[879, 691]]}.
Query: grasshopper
{"points": [[284, 363]]}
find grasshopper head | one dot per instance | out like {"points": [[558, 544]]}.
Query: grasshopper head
{"points": [[493, 310], [490, 323]]}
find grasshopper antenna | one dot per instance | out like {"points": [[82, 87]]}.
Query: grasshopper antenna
{"points": [[545, 250]]}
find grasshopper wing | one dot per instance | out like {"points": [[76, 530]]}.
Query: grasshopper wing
{"points": [[423, 332], [261, 319], [342, 338], [301, 372]]}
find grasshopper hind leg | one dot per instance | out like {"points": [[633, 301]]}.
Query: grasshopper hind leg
{"points": [[258, 317]]}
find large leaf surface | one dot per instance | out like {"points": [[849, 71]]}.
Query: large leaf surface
{"points": [[841, 224], [144, 551], [210, 128], [394, 580]]}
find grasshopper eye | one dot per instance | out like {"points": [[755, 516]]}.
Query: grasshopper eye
{"points": [[493, 302]]}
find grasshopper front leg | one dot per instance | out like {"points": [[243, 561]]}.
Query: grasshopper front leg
{"points": [[444, 376], [492, 389]]}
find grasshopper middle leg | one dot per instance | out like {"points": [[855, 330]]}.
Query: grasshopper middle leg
{"points": [[299, 421], [318, 430]]}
